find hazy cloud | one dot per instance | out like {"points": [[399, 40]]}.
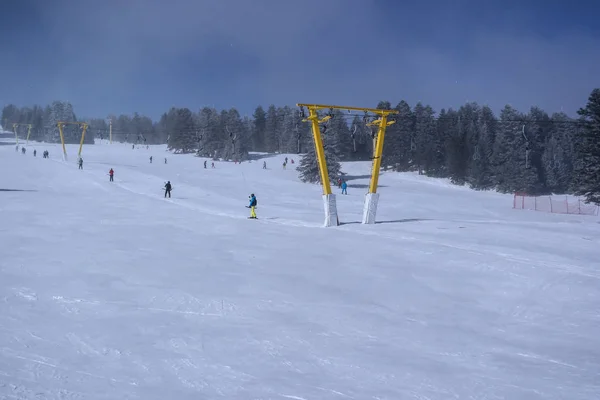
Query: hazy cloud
{"points": [[146, 55]]}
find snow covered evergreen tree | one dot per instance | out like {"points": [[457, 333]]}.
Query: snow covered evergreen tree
{"points": [[309, 167], [558, 154], [587, 174], [399, 146], [183, 135], [259, 130]]}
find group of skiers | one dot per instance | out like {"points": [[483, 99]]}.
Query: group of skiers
{"points": [[45, 154], [212, 164], [251, 205]]}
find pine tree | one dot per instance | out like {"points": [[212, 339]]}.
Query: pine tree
{"points": [[399, 145], [272, 130], [426, 140], [480, 137], [456, 146], [558, 154], [183, 135], [309, 167], [259, 130], [512, 155], [587, 174]]}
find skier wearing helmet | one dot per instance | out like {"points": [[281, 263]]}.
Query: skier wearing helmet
{"points": [[252, 206]]}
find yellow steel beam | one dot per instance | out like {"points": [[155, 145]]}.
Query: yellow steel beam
{"points": [[324, 106], [82, 138], [314, 119], [378, 152], [62, 138], [61, 124], [15, 131]]}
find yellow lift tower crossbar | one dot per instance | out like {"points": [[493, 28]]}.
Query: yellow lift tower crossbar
{"points": [[371, 200], [61, 125], [16, 125]]}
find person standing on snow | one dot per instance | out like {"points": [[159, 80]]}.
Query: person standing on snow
{"points": [[111, 173], [344, 187], [168, 189], [252, 206], [150, 159], [80, 162], [34, 153], [264, 165], [204, 164]]}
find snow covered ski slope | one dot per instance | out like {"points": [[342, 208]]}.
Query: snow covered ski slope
{"points": [[110, 291]]}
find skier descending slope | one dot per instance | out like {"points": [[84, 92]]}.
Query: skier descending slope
{"points": [[252, 206], [168, 189]]}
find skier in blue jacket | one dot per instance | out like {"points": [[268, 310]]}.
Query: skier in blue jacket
{"points": [[252, 206], [344, 187]]}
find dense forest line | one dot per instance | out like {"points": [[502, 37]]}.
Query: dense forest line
{"points": [[532, 152]]}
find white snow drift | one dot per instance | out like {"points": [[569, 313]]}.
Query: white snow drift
{"points": [[110, 291]]}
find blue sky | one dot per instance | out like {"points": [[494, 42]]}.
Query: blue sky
{"points": [[121, 56]]}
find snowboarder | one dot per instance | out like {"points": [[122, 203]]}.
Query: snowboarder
{"points": [[111, 173], [150, 159], [264, 165], [168, 189], [344, 187], [252, 206], [80, 162], [204, 164]]}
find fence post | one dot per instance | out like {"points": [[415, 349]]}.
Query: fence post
{"points": [[579, 206], [550, 198], [515, 200], [535, 203], [567, 203]]}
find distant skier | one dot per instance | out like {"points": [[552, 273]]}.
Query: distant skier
{"points": [[284, 164], [212, 165], [344, 187], [168, 189], [133, 147], [80, 162], [17, 148], [204, 164], [339, 182], [150, 159], [111, 173], [165, 160], [34, 153], [292, 161], [264, 165], [252, 206], [286, 159], [23, 150]]}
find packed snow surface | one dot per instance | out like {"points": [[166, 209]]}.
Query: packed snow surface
{"points": [[110, 291]]}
